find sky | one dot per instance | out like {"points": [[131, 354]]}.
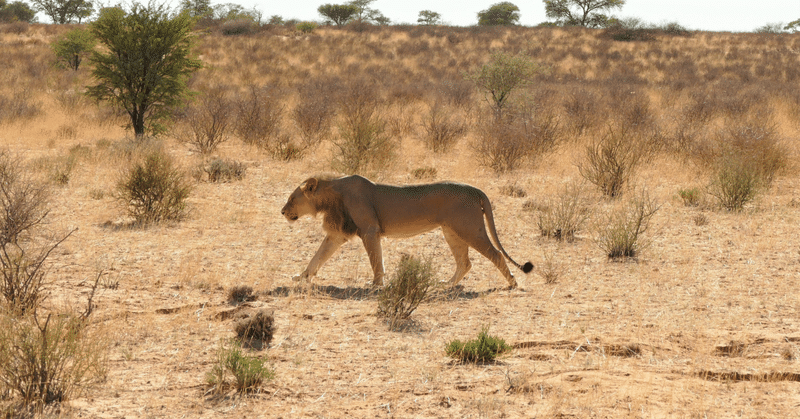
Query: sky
{"points": [[705, 15]]}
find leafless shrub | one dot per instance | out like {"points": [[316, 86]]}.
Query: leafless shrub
{"points": [[551, 269], [313, 114], [259, 116], [562, 217], [441, 130], [611, 161], [522, 133], [621, 235], [23, 207], [255, 324], [207, 123], [582, 110], [18, 106]]}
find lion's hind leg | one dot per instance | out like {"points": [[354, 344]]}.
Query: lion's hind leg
{"points": [[484, 246], [460, 250]]}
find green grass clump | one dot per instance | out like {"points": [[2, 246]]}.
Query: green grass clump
{"points": [[483, 349], [249, 372]]}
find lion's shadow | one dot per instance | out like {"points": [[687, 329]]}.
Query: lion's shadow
{"points": [[371, 293]]}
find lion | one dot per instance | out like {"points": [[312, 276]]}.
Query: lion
{"points": [[355, 206]]}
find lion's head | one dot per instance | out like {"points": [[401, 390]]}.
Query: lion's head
{"points": [[301, 201]]}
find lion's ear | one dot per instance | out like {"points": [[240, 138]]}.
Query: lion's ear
{"points": [[309, 186]]}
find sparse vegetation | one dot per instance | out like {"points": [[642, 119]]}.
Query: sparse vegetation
{"points": [[485, 348], [49, 361], [249, 372], [406, 290], [153, 189], [364, 146], [224, 170], [562, 217], [611, 161], [622, 234], [686, 101]]}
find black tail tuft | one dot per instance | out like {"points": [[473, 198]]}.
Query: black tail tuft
{"points": [[527, 267]]}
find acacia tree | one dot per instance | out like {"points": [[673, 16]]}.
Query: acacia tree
{"points": [[16, 11], [499, 14], [503, 74], [429, 17], [145, 62], [338, 13], [65, 11], [586, 13]]}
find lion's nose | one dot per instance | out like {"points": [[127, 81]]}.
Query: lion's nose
{"points": [[283, 211]]}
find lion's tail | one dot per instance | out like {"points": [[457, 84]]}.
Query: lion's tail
{"points": [[487, 212]]}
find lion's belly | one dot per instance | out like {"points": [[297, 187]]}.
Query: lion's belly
{"points": [[408, 228]]}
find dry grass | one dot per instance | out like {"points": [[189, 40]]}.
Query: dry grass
{"points": [[605, 339]]}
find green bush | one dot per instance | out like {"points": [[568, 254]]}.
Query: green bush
{"points": [[50, 361], [306, 27], [483, 349], [153, 189], [249, 372], [408, 287]]}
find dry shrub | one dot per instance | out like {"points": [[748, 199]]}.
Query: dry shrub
{"points": [[23, 208], [442, 130], [206, 124], [521, 134], [513, 190], [735, 181], [582, 108], [18, 106], [408, 287], [224, 170], [363, 146], [562, 217], [153, 188], [424, 173], [240, 294], [51, 361], [551, 269], [259, 115], [611, 161], [621, 236], [313, 114], [255, 325]]}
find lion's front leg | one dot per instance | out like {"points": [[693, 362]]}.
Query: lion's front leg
{"points": [[372, 243], [325, 251]]}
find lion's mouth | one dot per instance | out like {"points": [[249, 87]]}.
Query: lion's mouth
{"points": [[292, 217]]}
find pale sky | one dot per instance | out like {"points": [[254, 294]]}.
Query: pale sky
{"points": [[706, 15]]}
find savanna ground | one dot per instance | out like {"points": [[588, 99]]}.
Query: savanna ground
{"points": [[703, 323]]}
